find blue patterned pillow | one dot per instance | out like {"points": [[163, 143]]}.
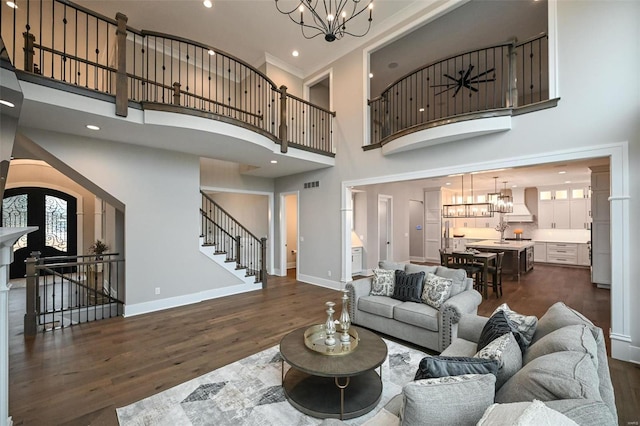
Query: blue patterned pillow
{"points": [[436, 290], [408, 287]]}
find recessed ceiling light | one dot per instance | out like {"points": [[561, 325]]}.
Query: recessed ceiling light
{"points": [[448, 183], [567, 181], [421, 110], [211, 52], [514, 186], [274, 161], [370, 75], [6, 103], [92, 127], [12, 5], [561, 172], [295, 53], [207, 4]]}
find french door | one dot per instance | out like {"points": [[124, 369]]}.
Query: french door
{"points": [[53, 212]]}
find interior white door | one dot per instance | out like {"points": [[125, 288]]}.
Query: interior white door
{"points": [[384, 227]]}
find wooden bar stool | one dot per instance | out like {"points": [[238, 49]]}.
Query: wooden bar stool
{"points": [[496, 275]]}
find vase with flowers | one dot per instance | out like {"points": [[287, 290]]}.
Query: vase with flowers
{"points": [[502, 226]]}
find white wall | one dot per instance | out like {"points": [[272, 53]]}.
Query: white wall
{"points": [[224, 174], [160, 191], [597, 44]]}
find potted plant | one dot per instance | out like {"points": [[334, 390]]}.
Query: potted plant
{"points": [[98, 249]]}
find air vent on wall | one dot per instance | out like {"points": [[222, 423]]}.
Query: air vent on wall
{"points": [[315, 184]]}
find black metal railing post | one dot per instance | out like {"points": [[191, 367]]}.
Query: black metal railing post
{"points": [[282, 132], [263, 261], [29, 52], [31, 314], [122, 89]]}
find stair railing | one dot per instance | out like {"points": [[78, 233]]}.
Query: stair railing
{"points": [[222, 230], [63, 291]]}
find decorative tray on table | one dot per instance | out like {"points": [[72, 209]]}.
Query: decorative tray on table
{"points": [[315, 336]]}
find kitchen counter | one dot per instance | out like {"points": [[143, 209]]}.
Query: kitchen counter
{"points": [[518, 254], [507, 245]]}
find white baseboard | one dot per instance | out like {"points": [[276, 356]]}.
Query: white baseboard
{"points": [[187, 299], [622, 349], [291, 265], [417, 259], [335, 285]]}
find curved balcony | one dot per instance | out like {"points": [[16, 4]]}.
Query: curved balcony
{"points": [[69, 47], [490, 83]]}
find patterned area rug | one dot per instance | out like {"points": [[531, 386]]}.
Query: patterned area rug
{"points": [[249, 392]]}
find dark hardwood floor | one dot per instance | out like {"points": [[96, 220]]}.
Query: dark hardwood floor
{"points": [[79, 375]]}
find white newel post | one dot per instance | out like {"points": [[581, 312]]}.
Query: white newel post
{"points": [[8, 236]]}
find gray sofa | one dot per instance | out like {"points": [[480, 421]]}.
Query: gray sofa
{"points": [[579, 391], [414, 322]]}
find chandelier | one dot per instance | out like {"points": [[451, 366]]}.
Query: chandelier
{"points": [[500, 202], [329, 17], [470, 209]]}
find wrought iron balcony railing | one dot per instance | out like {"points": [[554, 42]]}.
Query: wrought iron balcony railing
{"points": [[480, 81], [68, 43]]}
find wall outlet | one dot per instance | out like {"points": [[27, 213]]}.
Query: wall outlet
{"points": [[157, 290], [328, 273]]}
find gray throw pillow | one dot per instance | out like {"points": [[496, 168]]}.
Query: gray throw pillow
{"points": [[408, 287], [459, 400], [436, 290], [432, 367], [383, 282], [457, 276], [526, 323], [506, 352], [570, 338], [387, 264], [560, 375], [558, 316], [413, 268]]}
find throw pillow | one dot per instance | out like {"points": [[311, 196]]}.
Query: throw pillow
{"points": [[523, 414], [432, 367], [408, 287], [558, 316], [560, 375], [383, 282], [436, 290], [458, 276], [448, 400], [570, 338], [495, 327], [526, 324], [505, 351]]}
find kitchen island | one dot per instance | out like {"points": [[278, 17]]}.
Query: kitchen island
{"points": [[518, 254]]}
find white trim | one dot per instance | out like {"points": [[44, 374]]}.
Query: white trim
{"points": [[282, 221], [619, 198], [270, 59], [346, 220], [271, 231], [334, 285], [552, 33], [315, 79], [187, 299], [389, 225], [291, 265], [618, 152]]}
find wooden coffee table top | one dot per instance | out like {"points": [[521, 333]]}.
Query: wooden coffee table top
{"points": [[370, 354]]}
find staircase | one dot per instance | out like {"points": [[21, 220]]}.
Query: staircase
{"points": [[225, 241]]}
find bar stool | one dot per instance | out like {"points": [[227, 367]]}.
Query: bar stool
{"points": [[496, 275], [444, 259], [466, 261]]}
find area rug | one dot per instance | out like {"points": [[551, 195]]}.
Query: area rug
{"points": [[249, 392]]}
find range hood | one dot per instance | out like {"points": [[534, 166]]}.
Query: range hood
{"points": [[520, 211]]}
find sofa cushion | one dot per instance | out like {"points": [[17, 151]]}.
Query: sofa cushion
{"points": [[560, 375], [408, 287], [432, 367], [436, 290], [498, 325], [383, 282], [570, 338], [459, 400], [584, 412], [532, 413], [412, 268], [460, 347], [506, 352], [557, 316], [417, 314], [387, 264], [526, 323], [457, 276], [378, 305]]}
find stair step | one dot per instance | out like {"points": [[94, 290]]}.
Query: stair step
{"points": [[208, 244]]}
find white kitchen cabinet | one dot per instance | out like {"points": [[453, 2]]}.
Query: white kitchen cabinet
{"points": [[540, 252], [564, 207], [356, 260], [565, 253], [554, 214], [583, 255], [580, 213], [601, 226]]}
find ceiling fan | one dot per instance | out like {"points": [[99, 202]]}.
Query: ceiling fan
{"points": [[465, 81]]}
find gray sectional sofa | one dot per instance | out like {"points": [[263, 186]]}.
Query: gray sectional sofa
{"points": [[414, 322]]}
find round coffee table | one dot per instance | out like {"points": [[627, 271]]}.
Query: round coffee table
{"points": [[325, 386]]}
